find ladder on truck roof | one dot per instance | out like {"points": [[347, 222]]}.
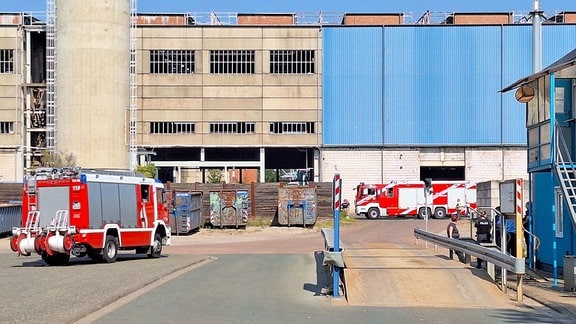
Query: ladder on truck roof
{"points": [[126, 173]]}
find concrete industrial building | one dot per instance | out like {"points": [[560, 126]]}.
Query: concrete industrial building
{"points": [[374, 97]]}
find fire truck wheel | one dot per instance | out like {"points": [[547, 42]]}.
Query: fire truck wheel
{"points": [[110, 251], [56, 259], [373, 213], [422, 212], [439, 213], [156, 249]]}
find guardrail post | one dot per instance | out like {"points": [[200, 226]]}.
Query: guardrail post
{"points": [[336, 185]]}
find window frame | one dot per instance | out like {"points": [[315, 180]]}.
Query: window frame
{"points": [[171, 61], [230, 127], [6, 127], [232, 61], [293, 61], [6, 61], [292, 127], [172, 127]]}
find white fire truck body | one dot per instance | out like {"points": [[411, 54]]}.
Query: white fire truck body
{"points": [[89, 212], [408, 199]]}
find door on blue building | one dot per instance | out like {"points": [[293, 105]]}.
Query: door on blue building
{"points": [[565, 116]]}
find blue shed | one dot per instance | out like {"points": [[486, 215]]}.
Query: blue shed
{"points": [[551, 135]]}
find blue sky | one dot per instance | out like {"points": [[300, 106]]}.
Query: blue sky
{"points": [[261, 6]]}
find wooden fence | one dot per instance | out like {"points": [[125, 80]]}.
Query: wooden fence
{"points": [[263, 197], [10, 192]]}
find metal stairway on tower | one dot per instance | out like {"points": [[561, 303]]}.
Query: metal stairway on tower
{"points": [[566, 172]]}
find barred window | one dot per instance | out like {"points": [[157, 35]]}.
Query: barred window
{"points": [[292, 61], [232, 128], [292, 127], [6, 61], [6, 127], [172, 61], [232, 61], [172, 127]]}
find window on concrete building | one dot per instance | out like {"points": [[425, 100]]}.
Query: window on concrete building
{"points": [[232, 61], [6, 61], [172, 127], [292, 127], [6, 127], [292, 61], [232, 128], [172, 61]]}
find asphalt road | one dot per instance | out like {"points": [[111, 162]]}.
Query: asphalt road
{"points": [[273, 276], [284, 289]]}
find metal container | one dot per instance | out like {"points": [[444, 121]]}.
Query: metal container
{"points": [[229, 208], [186, 212], [297, 205], [10, 216]]}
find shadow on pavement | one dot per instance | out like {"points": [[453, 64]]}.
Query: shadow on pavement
{"points": [[323, 277]]}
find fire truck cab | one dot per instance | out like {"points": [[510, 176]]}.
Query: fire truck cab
{"points": [[407, 198], [90, 212]]}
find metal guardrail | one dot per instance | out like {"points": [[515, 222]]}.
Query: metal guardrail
{"points": [[328, 235], [510, 263], [332, 258], [490, 255]]}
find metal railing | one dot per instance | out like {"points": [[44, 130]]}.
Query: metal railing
{"points": [[320, 18], [490, 255], [510, 263]]}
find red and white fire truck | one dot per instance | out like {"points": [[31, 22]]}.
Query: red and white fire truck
{"points": [[90, 212], [407, 198]]}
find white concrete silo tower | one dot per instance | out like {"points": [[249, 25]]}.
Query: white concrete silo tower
{"points": [[93, 81]]}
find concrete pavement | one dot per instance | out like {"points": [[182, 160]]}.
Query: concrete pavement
{"points": [[372, 269], [548, 293]]}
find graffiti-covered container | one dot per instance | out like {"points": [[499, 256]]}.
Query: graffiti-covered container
{"points": [[229, 208], [297, 205]]}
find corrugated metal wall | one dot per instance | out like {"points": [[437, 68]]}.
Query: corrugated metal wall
{"points": [[352, 86], [445, 88], [430, 85], [516, 63]]}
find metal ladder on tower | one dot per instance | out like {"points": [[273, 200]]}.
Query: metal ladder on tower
{"points": [[565, 171], [133, 150], [51, 75]]}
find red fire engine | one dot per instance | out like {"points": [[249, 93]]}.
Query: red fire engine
{"points": [[408, 199], [90, 212]]}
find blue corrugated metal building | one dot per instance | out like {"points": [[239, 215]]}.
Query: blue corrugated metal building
{"points": [[439, 85], [551, 156], [441, 81]]}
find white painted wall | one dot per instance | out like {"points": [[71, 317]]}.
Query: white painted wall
{"points": [[381, 166], [11, 169]]}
